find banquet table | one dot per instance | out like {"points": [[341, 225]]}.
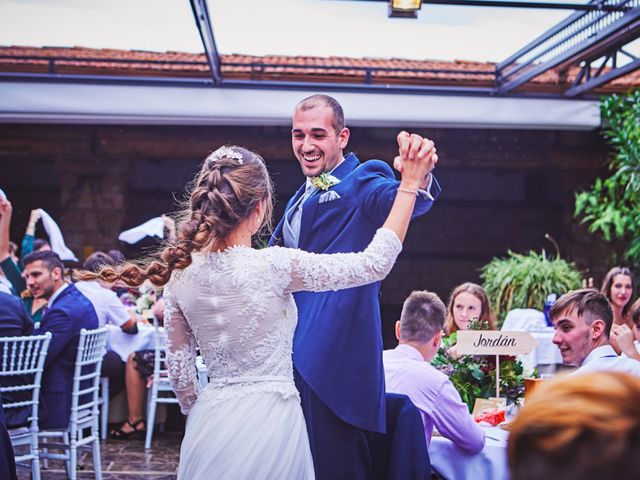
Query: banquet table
{"points": [[453, 463], [124, 343]]}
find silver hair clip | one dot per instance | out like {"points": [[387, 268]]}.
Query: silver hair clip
{"points": [[226, 152]]}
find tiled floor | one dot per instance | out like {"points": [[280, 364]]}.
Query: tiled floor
{"points": [[124, 459]]}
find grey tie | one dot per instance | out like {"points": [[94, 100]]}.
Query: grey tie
{"points": [[293, 219]]}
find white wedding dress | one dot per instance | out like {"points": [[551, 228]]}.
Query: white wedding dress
{"points": [[237, 307]]}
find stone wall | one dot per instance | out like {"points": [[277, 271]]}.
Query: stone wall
{"points": [[503, 189]]}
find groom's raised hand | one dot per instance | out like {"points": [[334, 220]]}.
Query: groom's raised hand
{"points": [[418, 151]]}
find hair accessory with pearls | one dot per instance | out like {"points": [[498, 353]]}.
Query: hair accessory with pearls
{"points": [[226, 152]]}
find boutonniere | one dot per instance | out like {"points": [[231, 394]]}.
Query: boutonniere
{"points": [[325, 181]]}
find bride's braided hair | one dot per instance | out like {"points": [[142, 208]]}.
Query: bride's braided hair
{"points": [[226, 191]]}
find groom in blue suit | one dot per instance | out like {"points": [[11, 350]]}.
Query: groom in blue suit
{"points": [[337, 348]]}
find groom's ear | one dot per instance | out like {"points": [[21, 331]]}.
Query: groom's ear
{"points": [[343, 138]]}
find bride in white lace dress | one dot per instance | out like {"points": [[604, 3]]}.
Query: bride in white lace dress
{"points": [[235, 304]]}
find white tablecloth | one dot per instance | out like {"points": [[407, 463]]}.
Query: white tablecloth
{"points": [[124, 343], [546, 353], [456, 464]]}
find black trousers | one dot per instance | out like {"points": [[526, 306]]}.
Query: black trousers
{"points": [[340, 451], [114, 369]]}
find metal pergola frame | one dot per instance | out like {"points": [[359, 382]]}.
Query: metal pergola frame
{"points": [[589, 40]]}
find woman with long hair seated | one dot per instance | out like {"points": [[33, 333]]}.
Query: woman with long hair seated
{"points": [[468, 308], [236, 303]]}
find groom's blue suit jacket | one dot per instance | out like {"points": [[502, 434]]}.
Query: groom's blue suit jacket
{"points": [[337, 347]]}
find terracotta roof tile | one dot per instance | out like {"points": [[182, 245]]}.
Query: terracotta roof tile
{"points": [[82, 60]]}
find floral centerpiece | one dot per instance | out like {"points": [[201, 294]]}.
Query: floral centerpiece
{"points": [[474, 376]]}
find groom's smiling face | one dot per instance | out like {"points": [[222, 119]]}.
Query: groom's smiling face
{"points": [[316, 144]]}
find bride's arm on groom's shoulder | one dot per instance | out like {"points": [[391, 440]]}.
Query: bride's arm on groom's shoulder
{"points": [[181, 353]]}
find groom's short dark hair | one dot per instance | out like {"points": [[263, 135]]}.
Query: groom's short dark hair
{"points": [[422, 317], [312, 101]]}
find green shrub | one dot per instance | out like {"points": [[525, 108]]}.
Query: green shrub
{"points": [[524, 281]]}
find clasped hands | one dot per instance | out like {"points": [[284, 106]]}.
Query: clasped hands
{"points": [[416, 158]]}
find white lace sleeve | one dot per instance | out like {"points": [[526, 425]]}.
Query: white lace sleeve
{"points": [[322, 272], [181, 353]]}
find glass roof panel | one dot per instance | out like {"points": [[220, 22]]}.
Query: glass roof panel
{"points": [[151, 25], [363, 29]]}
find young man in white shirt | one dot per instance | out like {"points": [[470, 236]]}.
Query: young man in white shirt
{"points": [[583, 320]]}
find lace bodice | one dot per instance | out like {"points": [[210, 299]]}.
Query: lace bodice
{"points": [[237, 307]]}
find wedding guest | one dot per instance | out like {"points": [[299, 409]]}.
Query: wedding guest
{"points": [[582, 320], [13, 252], [578, 427], [116, 255], [627, 339], [68, 311], [138, 372], [468, 302], [635, 318], [617, 286], [7, 459], [109, 309], [14, 322], [108, 306], [338, 208], [407, 370], [29, 242], [11, 269]]}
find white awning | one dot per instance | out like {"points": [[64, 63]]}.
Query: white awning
{"points": [[41, 102]]}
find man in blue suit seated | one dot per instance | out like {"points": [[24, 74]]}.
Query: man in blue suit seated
{"points": [[337, 347], [66, 313], [14, 322]]}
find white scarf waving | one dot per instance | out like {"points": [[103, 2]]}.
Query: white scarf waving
{"points": [[55, 237], [151, 228]]}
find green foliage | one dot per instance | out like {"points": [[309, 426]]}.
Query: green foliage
{"points": [[524, 281], [474, 376], [612, 205]]}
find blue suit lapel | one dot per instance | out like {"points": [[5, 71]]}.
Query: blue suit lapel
{"points": [[311, 205]]}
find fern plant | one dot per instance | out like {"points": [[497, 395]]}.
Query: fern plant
{"points": [[525, 280]]}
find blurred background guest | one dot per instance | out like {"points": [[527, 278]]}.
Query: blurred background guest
{"points": [[14, 322], [109, 310], [12, 270], [617, 286], [29, 242], [627, 339], [7, 461], [138, 376], [578, 427]]}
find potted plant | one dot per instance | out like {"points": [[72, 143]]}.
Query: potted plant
{"points": [[525, 280]]}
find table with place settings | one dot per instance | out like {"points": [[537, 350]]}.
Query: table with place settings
{"points": [[490, 463]]}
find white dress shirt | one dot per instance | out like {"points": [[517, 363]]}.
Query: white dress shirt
{"points": [[605, 358], [106, 303]]}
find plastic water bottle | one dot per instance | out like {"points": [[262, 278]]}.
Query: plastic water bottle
{"points": [[551, 299]]}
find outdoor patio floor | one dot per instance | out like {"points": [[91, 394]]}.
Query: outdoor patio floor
{"points": [[123, 459]]}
